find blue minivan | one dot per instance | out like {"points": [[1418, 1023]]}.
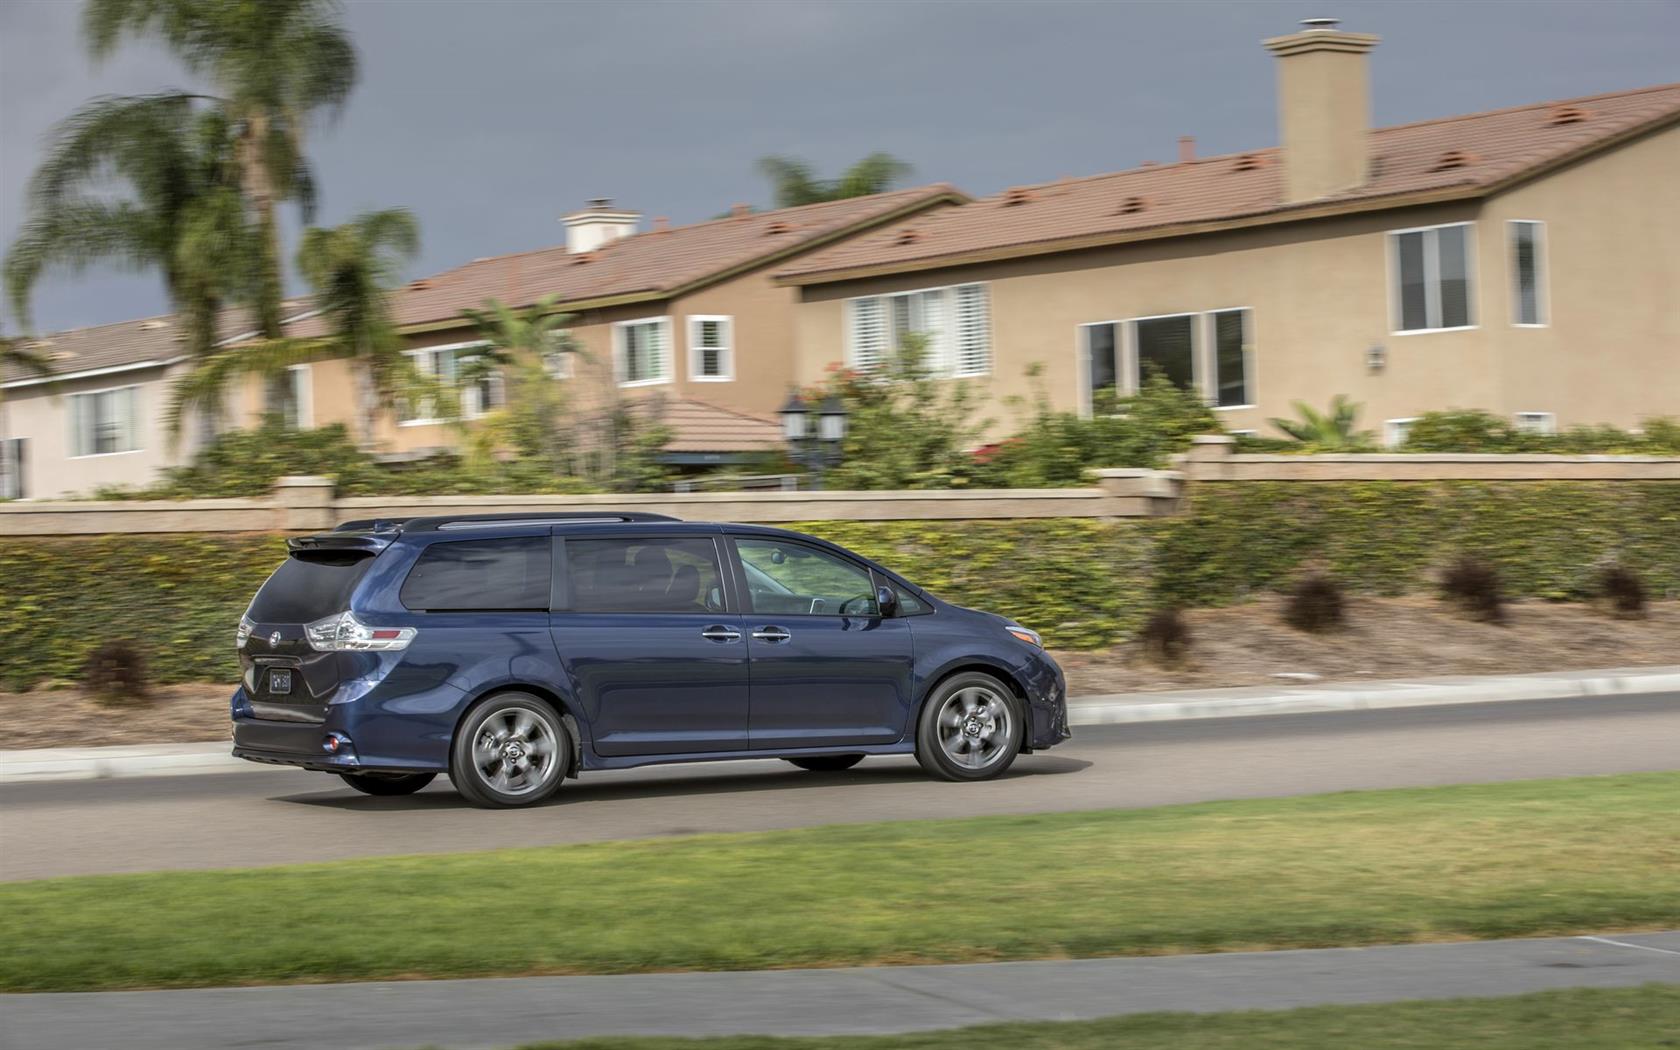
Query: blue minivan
{"points": [[514, 651]]}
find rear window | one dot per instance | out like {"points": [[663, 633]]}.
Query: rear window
{"points": [[309, 587], [480, 575]]}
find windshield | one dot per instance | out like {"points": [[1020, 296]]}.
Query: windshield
{"points": [[307, 588]]}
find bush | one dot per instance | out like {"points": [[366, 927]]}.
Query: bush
{"points": [[1473, 586], [1473, 430], [115, 674], [1165, 638], [1315, 604], [1623, 591]]}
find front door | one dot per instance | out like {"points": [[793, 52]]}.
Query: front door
{"points": [[656, 661], [827, 669]]}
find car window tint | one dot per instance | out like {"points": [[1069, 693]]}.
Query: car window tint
{"points": [[644, 575], [309, 587], [484, 575], [785, 577]]}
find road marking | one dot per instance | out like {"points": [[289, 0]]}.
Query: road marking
{"points": [[1625, 944]]}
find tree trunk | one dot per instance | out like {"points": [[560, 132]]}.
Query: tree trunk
{"points": [[258, 185]]}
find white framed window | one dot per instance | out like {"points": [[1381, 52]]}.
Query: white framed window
{"points": [[1528, 273], [1431, 283], [105, 422], [1210, 352], [558, 365], [445, 365], [288, 396], [1395, 431], [642, 351], [954, 320], [711, 348], [1536, 422]]}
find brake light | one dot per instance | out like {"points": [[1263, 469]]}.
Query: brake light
{"points": [[345, 633]]}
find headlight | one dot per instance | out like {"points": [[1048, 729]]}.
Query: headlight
{"points": [[243, 635], [1030, 637], [346, 633]]}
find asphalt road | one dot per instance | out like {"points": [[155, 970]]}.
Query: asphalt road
{"points": [[487, 1014], [271, 816]]}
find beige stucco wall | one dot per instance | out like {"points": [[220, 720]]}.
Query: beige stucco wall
{"points": [[1319, 293]]}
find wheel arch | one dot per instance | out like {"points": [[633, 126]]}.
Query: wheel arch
{"points": [[1002, 672], [547, 695]]}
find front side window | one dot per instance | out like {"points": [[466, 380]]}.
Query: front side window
{"points": [[711, 352], [786, 578], [1432, 287], [1167, 345], [1527, 248], [954, 323], [480, 576], [642, 352], [643, 575], [104, 422]]}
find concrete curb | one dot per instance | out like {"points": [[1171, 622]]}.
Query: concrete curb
{"points": [[150, 760]]}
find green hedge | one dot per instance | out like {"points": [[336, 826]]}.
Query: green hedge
{"points": [[1085, 584]]}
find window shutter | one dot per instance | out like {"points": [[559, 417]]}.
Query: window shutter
{"points": [[973, 331], [868, 336]]}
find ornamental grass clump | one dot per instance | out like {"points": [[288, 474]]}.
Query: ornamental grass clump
{"points": [[115, 674], [1166, 638], [1315, 604], [1623, 591], [1473, 586]]}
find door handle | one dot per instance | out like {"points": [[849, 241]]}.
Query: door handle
{"points": [[720, 633], [772, 634]]}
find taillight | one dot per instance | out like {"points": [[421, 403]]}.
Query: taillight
{"points": [[343, 633], [243, 635]]}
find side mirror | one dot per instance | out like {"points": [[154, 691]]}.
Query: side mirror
{"points": [[886, 600]]}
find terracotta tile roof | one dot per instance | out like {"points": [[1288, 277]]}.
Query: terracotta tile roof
{"points": [[697, 426], [1469, 153], [651, 262], [149, 339]]}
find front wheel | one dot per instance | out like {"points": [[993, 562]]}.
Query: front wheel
{"points": [[970, 728], [387, 784], [511, 750], [826, 763]]}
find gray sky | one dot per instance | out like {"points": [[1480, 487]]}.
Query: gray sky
{"points": [[491, 118]]}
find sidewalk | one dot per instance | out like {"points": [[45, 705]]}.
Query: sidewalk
{"points": [[141, 760], [498, 1013]]}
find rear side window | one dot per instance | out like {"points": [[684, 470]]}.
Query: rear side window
{"points": [[310, 586], [644, 575], [480, 575]]}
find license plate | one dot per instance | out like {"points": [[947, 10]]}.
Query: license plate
{"points": [[280, 681]]}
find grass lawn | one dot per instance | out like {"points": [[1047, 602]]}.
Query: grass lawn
{"points": [[1497, 860], [1580, 1019]]}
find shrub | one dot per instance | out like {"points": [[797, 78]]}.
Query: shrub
{"points": [[115, 674], [1473, 585], [1165, 638], [1623, 591], [1473, 430], [1315, 604]]}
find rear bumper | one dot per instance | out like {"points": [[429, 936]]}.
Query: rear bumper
{"points": [[304, 744]]}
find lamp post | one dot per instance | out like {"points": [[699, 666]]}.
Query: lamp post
{"points": [[814, 443]]}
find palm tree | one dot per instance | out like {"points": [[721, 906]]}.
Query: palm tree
{"points": [[179, 210], [274, 64], [350, 269], [527, 349], [1330, 430], [796, 184]]}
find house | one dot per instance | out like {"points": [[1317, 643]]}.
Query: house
{"points": [[686, 318], [1522, 261]]}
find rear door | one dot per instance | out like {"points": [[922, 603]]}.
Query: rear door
{"points": [[827, 669], [647, 634], [285, 679]]}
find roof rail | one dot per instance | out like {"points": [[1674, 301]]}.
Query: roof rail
{"points": [[482, 521], [370, 525]]}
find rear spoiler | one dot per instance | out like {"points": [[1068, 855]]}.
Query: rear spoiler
{"points": [[338, 543]]}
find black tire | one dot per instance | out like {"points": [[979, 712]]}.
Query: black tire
{"points": [[826, 763], [482, 770], [990, 732], [387, 784]]}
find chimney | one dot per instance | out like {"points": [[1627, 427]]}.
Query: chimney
{"points": [[1186, 148], [1324, 109], [598, 224]]}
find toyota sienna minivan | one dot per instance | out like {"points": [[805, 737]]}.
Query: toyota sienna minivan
{"points": [[513, 651]]}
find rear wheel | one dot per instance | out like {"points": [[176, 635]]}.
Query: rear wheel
{"points": [[386, 784], [511, 750], [970, 728], [826, 763]]}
